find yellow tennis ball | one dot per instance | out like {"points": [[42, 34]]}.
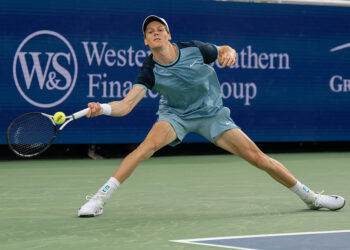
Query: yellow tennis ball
{"points": [[59, 117]]}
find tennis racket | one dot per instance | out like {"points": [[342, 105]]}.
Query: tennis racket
{"points": [[31, 134]]}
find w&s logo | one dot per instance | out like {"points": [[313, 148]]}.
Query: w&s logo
{"points": [[45, 69]]}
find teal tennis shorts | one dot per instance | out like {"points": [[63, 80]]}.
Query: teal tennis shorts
{"points": [[209, 127]]}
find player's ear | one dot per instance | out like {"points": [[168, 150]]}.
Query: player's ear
{"points": [[145, 42], [169, 36]]}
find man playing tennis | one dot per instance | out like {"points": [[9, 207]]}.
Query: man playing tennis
{"points": [[190, 102]]}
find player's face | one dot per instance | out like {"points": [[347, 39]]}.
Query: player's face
{"points": [[156, 35]]}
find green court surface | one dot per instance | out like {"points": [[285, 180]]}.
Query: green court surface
{"points": [[167, 198]]}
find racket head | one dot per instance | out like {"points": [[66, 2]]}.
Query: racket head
{"points": [[31, 134]]}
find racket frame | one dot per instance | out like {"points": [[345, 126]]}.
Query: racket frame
{"points": [[69, 118]]}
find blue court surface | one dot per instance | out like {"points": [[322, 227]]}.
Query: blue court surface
{"points": [[326, 240]]}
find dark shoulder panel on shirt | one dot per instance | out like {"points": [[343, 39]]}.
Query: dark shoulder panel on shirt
{"points": [[208, 50], [146, 75]]}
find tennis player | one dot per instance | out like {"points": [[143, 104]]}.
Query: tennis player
{"points": [[190, 102]]}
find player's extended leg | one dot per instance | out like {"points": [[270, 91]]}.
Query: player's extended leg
{"points": [[236, 142], [161, 134]]}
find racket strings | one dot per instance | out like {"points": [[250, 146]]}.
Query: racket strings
{"points": [[31, 134]]}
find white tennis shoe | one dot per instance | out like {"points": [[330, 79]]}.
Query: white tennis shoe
{"points": [[93, 207], [332, 202]]}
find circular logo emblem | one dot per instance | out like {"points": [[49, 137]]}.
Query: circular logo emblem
{"points": [[45, 69]]}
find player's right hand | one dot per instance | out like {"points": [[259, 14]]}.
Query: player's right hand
{"points": [[95, 109]]}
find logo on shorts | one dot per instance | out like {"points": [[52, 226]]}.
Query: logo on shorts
{"points": [[45, 69]]}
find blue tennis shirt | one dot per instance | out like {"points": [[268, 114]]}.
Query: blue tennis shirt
{"points": [[189, 87]]}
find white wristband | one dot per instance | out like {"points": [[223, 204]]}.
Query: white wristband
{"points": [[106, 109]]}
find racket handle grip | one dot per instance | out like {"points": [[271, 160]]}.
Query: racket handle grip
{"points": [[80, 113]]}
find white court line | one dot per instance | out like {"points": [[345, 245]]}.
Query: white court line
{"points": [[193, 241], [211, 245]]}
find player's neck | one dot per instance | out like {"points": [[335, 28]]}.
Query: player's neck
{"points": [[165, 55]]}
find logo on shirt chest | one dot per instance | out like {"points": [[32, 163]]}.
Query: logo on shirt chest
{"points": [[194, 62]]}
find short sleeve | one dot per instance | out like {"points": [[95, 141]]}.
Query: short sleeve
{"points": [[209, 51], [146, 75]]}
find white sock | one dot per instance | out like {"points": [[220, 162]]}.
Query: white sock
{"points": [[108, 188], [306, 194]]}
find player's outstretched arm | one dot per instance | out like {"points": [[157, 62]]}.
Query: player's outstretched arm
{"points": [[119, 108], [227, 56]]}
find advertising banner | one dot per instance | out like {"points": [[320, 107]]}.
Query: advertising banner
{"points": [[291, 80]]}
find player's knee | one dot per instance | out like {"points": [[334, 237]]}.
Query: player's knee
{"points": [[148, 148], [152, 148]]}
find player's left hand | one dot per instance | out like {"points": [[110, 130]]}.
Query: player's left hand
{"points": [[227, 56]]}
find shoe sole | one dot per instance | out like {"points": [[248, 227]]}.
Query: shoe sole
{"points": [[87, 215]]}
